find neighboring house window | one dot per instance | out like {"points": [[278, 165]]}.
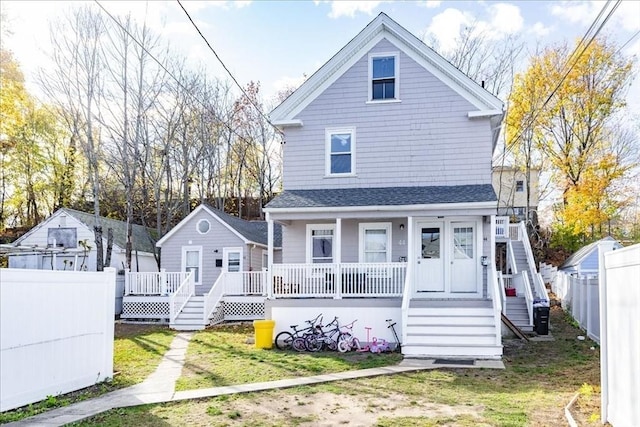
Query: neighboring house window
{"points": [[62, 237], [519, 186], [383, 77], [192, 261], [519, 212], [375, 242], [265, 259], [232, 259], [341, 153], [320, 243], [203, 226]]}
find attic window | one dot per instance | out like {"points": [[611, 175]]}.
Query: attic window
{"points": [[203, 226], [383, 77], [62, 237], [519, 186]]}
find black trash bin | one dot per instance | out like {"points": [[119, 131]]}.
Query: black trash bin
{"points": [[541, 320]]}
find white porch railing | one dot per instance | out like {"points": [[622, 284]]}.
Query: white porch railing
{"points": [[180, 297], [153, 283], [499, 297], [528, 296], [246, 283], [502, 227], [338, 280], [503, 285]]}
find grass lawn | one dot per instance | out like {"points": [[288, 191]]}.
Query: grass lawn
{"points": [[540, 379]]}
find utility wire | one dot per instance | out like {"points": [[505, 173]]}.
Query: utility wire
{"points": [[207, 107], [226, 69], [575, 56]]}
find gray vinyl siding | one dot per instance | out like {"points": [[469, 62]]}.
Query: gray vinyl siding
{"points": [[295, 237], [426, 139], [217, 238]]}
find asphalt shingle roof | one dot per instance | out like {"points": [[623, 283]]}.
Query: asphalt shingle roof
{"points": [[578, 256], [386, 196], [255, 231], [141, 239]]}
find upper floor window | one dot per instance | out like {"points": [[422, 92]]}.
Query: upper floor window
{"points": [[519, 186], [62, 237], [383, 77], [340, 148]]}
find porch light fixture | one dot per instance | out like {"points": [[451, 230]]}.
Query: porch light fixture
{"points": [[401, 226], [484, 260]]}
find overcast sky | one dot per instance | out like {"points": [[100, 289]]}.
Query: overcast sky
{"points": [[277, 42]]}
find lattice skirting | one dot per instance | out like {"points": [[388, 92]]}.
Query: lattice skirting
{"points": [[145, 310], [218, 315], [243, 310]]}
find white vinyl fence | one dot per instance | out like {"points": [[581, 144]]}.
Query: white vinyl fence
{"points": [[620, 342], [56, 332], [579, 296]]}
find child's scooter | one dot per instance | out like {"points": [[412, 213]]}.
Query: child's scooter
{"points": [[395, 334]]}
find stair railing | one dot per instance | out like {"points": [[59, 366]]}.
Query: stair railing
{"points": [[511, 264], [538, 288], [406, 298], [498, 295], [181, 296], [528, 296], [503, 294], [213, 297]]}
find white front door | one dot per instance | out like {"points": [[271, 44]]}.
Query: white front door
{"points": [[192, 261], [430, 264], [232, 264], [464, 259]]}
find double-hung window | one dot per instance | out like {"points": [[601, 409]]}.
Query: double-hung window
{"points": [[383, 77], [519, 186], [320, 240], [375, 242], [341, 151]]}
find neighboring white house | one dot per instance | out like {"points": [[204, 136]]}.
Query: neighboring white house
{"points": [[208, 241], [510, 184], [388, 206], [66, 241]]}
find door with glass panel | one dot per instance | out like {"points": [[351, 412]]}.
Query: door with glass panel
{"points": [[232, 265], [430, 263], [464, 262]]}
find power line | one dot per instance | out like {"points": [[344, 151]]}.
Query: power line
{"points": [[187, 91], [225, 67], [575, 56]]}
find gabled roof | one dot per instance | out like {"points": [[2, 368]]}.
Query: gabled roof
{"points": [[142, 237], [387, 196], [248, 231], [383, 27], [581, 254]]}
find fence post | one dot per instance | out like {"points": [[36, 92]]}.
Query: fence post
{"points": [[604, 336]]}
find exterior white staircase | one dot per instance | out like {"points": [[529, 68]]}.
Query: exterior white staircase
{"points": [[451, 328], [518, 314], [190, 318]]}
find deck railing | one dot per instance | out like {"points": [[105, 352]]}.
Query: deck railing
{"points": [[181, 296], [502, 227], [153, 283], [338, 280]]}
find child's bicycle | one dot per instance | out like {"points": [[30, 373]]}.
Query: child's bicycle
{"points": [[349, 341], [286, 340], [327, 336]]}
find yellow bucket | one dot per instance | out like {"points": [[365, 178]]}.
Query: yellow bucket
{"points": [[264, 333]]}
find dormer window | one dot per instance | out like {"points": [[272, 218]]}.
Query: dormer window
{"points": [[340, 151], [383, 77]]}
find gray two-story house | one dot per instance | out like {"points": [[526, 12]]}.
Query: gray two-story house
{"points": [[388, 207]]}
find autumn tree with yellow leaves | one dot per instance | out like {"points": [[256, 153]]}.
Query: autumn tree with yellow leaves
{"points": [[563, 116]]}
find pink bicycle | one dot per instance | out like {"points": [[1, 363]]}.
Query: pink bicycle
{"points": [[348, 341]]}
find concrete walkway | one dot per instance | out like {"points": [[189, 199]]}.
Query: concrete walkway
{"points": [[159, 387]]}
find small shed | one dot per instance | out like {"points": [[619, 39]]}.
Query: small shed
{"points": [[585, 260], [208, 241], [66, 241]]}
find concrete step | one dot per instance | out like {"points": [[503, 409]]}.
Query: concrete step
{"points": [[470, 351]]}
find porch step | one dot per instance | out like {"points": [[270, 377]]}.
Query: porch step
{"points": [[190, 319], [465, 330], [518, 314]]}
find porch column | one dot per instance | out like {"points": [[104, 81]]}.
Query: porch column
{"points": [[269, 274], [412, 256], [338, 259]]}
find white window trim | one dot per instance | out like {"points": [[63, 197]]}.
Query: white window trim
{"points": [[265, 259], [225, 258], [198, 249], [364, 226], [310, 228], [396, 71], [198, 226], [327, 157]]}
